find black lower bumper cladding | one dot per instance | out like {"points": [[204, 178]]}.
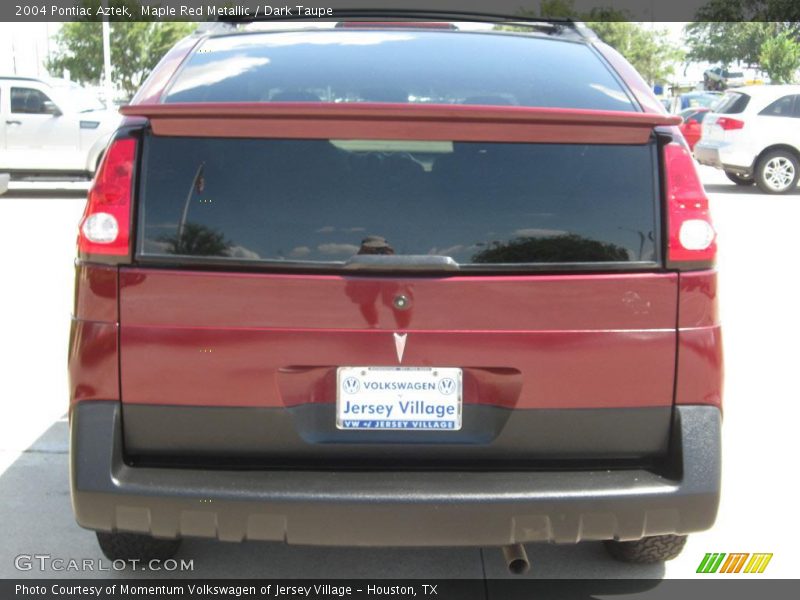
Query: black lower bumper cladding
{"points": [[394, 508]]}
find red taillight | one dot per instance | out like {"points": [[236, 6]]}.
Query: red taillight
{"points": [[728, 124], [692, 240], [105, 227]]}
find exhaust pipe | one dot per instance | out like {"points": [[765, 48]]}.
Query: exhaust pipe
{"points": [[516, 559]]}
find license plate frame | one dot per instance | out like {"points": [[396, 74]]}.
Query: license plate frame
{"points": [[413, 398]]}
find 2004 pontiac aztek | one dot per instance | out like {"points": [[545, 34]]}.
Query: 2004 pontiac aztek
{"points": [[396, 284]]}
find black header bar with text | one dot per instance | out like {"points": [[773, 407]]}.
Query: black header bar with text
{"points": [[450, 10]]}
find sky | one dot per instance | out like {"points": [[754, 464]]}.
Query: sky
{"points": [[25, 46]]}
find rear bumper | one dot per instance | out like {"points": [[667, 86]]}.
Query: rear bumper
{"points": [[383, 508], [729, 157]]}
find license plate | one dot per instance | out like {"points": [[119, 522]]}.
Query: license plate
{"points": [[398, 398]]}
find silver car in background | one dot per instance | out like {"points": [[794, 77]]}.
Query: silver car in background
{"points": [[753, 134], [51, 126]]}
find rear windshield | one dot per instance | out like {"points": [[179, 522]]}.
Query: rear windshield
{"points": [[732, 103], [400, 67], [322, 203]]}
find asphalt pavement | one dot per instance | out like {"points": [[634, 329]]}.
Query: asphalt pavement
{"points": [[759, 292]]}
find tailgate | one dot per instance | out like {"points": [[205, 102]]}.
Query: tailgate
{"points": [[267, 264], [245, 364], [733, 103]]}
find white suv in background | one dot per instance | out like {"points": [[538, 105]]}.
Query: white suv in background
{"points": [[753, 134], [51, 126]]}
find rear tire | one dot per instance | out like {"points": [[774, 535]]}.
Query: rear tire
{"points": [[648, 550], [777, 172], [128, 546], [738, 179]]}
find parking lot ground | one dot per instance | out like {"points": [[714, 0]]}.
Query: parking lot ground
{"points": [[759, 293]]}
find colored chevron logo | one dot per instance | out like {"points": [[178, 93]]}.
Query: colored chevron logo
{"points": [[719, 562]]}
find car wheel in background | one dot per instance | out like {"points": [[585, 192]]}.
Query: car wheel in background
{"points": [[648, 550], [134, 546], [738, 179], [777, 172]]}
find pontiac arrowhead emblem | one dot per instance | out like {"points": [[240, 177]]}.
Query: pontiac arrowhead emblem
{"points": [[400, 345]]}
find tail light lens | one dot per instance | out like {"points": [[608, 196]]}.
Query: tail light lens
{"points": [[105, 227], [728, 124], [692, 239]]}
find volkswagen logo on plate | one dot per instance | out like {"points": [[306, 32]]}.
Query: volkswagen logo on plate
{"points": [[447, 386], [351, 385]]}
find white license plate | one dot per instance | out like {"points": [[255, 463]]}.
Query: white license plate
{"points": [[398, 398]]}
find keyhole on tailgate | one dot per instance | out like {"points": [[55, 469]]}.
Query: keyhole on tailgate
{"points": [[401, 302]]}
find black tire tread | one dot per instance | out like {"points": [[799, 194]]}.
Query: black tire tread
{"points": [[128, 546], [738, 180], [648, 550]]}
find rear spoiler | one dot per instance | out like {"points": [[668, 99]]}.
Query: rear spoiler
{"points": [[410, 16], [308, 120]]}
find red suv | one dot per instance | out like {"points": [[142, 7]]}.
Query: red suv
{"points": [[396, 283]]}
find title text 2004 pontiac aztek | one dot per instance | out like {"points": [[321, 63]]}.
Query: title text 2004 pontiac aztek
{"points": [[396, 284]]}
